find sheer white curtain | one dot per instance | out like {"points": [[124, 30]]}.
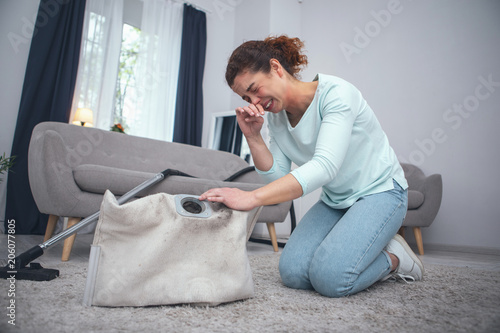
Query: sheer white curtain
{"points": [[99, 59], [157, 69]]}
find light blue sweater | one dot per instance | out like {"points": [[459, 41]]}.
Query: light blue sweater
{"points": [[338, 145]]}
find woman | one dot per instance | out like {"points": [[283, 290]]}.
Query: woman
{"points": [[347, 241]]}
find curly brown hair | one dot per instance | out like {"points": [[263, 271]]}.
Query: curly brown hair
{"points": [[255, 56]]}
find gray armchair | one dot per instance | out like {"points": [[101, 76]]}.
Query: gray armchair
{"points": [[70, 167], [424, 200]]}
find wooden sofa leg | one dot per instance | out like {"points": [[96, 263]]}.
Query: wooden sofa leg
{"points": [[68, 242], [272, 234], [418, 238], [51, 225]]}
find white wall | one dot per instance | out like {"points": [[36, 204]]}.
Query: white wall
{"points": [[220, 35], [16, 27]]}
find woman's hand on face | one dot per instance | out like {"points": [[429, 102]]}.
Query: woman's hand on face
{"points": [[231, 197], [250, 118]]}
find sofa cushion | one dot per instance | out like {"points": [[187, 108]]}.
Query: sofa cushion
{"points": [[97, 179], [415, 199]]}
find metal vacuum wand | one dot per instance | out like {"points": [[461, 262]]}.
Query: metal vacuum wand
{"points": [[17, 266]]}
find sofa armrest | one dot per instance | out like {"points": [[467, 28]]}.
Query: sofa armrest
{"points": [[49, 171], [433, 193]]}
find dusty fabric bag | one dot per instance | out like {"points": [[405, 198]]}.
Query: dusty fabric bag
{"points": [[169, 249]]}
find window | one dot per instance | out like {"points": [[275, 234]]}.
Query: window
{"points": [[129, 75], [126, 89], [94, 40]]}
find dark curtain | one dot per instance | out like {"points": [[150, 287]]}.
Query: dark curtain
{"points": [[47, 95], [189, 104]]}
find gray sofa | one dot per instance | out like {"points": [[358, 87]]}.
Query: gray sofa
{"points": [[424, 200], [70, 168]]}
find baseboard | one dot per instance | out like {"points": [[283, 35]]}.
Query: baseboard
{"points": [[411, 242], [267, 240], [282, 239], [459, 248], [427, 246]]}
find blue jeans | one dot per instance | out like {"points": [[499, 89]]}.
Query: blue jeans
{"points": [[340, 252]]}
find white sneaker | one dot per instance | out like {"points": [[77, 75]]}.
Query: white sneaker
{"points": [[410, 267]]}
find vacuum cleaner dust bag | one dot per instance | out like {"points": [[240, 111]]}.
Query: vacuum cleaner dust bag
{"points": [[169, 249]]}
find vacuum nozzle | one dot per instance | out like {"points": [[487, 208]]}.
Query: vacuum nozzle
{"points": [[17, 269]]}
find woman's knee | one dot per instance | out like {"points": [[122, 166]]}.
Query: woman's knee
{"points": [[332, 280], [292, 272], [290, 277]]}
